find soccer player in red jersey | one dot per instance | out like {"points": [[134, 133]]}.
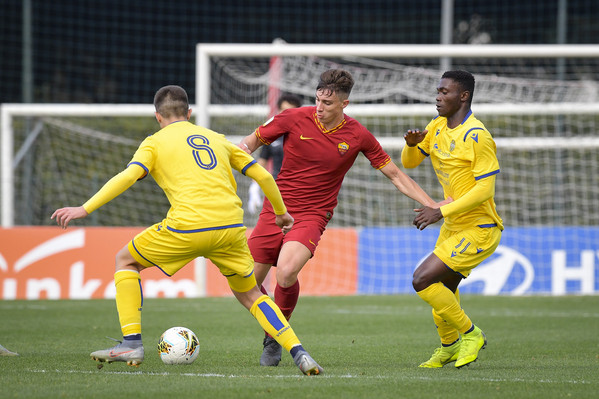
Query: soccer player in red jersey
{"points": [[321, 144]]}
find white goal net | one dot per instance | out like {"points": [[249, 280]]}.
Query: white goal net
{"points": [[540, 104]]}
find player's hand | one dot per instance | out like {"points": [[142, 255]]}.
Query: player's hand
{"points": [[427, 216], [285, 222], [64, 215], [444, 202], [255, 200], [413, 137], [245, 147]]}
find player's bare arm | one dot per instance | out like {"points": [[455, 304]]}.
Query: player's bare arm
{"points": [[250, 143], [64, 215], [406, 184], [413, 137]]}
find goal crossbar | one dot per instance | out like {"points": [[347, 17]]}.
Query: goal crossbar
{"points": [[204, 51], [9, 111]]}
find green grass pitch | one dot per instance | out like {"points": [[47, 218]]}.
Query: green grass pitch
{"points": [[369, 346]]}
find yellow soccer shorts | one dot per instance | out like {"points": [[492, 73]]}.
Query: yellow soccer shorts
{"points": [[170, 251], [463, 250]]}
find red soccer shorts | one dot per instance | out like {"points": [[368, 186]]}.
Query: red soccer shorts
{"points": [[267, 239]]}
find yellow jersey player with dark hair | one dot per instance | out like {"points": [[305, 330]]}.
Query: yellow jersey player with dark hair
{"points": [[463, 155], [194, 166]]}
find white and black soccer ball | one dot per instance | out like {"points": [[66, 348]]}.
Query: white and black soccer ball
{"points": [[178, 345]]}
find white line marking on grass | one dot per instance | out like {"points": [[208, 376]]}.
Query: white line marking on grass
{"points": [[462, 377], [206, 375]]}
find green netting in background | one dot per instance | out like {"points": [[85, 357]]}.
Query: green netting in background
{"points": [[115, 51]]}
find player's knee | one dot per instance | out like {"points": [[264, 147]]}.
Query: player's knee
{"points": [[417, 285], [125, 261], [286, 279], [120, 260], [419, 282]]}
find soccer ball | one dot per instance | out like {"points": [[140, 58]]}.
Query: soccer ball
{"points": [[178, 345]]}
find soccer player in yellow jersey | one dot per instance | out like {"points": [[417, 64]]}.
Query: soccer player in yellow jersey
{"points": [[194, 166], [463, 155]]}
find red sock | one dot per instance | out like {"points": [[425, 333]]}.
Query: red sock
{"points": [[263, 290], [286, 298]]}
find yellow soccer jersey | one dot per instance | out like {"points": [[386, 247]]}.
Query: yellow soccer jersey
{"points": [[461, 157], [193, 165]]}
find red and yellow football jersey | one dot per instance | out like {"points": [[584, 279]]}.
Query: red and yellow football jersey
{"points": [[316, 160]]}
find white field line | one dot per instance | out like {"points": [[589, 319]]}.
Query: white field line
{"points": [[205, 375], [461, 377]]}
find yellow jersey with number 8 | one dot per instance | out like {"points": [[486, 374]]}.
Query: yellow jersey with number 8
{"points": [[194, 166]]}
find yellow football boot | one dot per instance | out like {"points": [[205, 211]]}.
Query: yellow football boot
{"points": [[442, 356], [472, 343]]}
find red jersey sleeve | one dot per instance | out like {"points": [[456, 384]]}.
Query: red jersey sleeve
{"points": [[373, 151], [280, 124]]}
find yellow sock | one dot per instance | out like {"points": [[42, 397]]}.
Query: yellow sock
{"points": [[447, 333], [273, 322], [129, 300], [446, 305]]}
